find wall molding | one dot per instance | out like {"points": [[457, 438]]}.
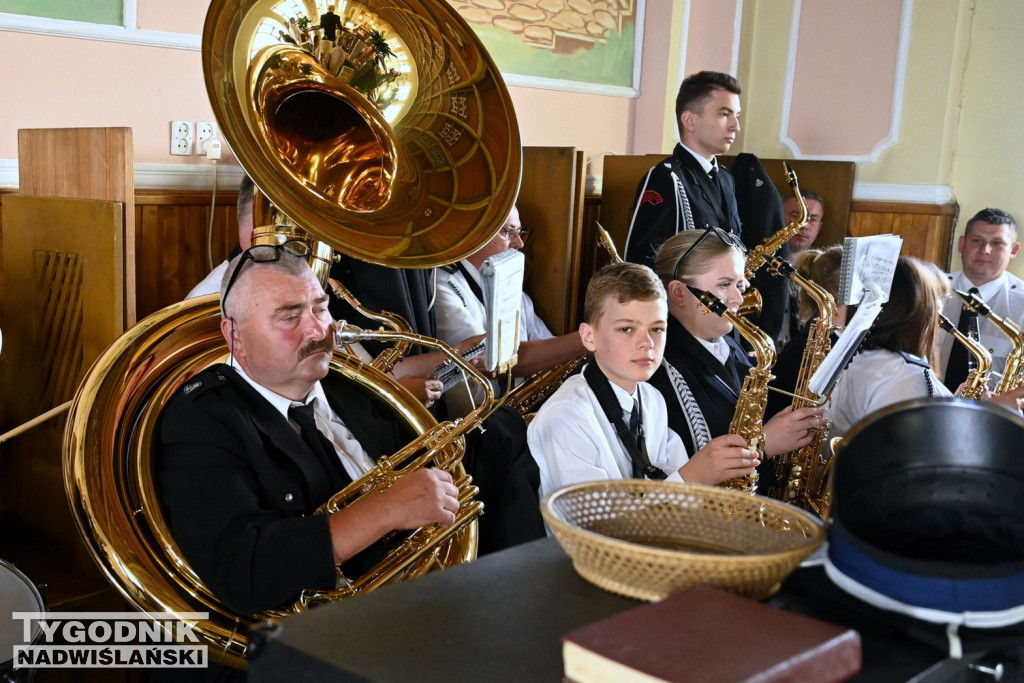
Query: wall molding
{"points": [[63, 28], [896, 114], [155, 176], [201, 177], [918, 194]]}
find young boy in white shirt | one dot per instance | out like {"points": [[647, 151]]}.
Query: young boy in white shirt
{"points": [[586, 430]]}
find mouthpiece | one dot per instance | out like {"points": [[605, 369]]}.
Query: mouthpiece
{"points": [[710, 301]]}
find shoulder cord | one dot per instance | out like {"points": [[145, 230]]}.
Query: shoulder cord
{"points": [[602, 389], [695, 421]]}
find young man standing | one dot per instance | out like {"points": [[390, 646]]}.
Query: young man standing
{"points": [[690, 190]]}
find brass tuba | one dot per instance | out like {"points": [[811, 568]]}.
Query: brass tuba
{"points": [[407, 155]]}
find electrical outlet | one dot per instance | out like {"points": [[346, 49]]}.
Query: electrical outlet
{"points": [[181, 138], [205, 130]]}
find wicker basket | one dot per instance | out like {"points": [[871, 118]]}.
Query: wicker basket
{"points": [[647, 539]]}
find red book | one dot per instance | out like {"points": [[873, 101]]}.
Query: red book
{"points": [[708, 634]]}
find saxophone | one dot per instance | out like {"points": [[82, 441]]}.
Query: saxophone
{"points": [[748, 419], [977, 379], [805, 472], [760, 254], [1013, 371]]}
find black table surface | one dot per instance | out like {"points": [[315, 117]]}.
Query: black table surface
{"points": [[502, 617]]}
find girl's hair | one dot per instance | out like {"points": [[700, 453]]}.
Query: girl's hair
{"points": [[821, 266], [624, 281], [697, 261], [909, 320]]}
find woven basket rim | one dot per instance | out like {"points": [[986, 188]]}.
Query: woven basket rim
{"points": [[555, 520]]}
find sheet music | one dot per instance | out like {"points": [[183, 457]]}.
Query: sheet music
{"points": [[868, 262], [827, 374], [503, 293]]}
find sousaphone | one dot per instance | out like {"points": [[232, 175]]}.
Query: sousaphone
{"points": [[410, 160]]}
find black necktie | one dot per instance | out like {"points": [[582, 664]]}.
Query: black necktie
{"points": [[319, 444], [634, 430], [960, 359]]}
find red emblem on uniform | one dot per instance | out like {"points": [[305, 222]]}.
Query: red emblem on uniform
{"points": [[651, 197]]}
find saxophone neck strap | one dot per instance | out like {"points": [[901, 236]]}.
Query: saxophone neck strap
{"points": [[635, 446], [471, 281]]}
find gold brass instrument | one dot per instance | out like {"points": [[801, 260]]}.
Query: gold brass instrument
{"points": [[748, 419], [977, 379], [804, 473], [760, 254], [416, 177], [1013, 371]]}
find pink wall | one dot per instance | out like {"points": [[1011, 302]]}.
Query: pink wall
{"points": [[68, 82], [842, 97], [178, 16], [53, 82], [712, 36]]}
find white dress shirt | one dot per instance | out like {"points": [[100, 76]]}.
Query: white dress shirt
{"points": [[211, 283], [573, 442], [1005, 296], [461, 315], [353, 456], [874, 380]]}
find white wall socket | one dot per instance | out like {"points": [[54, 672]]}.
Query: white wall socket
{"points": [[181, 138], [205, 130]]}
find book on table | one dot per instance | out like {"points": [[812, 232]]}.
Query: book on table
{"points": [[706, 634]]}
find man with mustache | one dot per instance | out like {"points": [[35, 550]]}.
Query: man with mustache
{"points": [[249, 449], [986, 248]]}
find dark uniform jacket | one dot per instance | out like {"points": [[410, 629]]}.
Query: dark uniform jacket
{"points": [[658, 211], [239, 487]]}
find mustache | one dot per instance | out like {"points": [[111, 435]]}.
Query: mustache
{"points": [[315, 346]]}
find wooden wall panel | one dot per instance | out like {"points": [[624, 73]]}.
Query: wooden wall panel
{"points": [[550, 206], [171, 243], [926, 229], [84, 163]]}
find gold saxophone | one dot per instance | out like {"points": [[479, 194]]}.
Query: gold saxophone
{"points": [[977, 379], [748, 419], [760, 254], [804, 472], [1013, 371]]}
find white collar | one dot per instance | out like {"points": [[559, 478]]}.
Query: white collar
{"points": [[281, 403], [717, 347], [704, 163], [985, 291]]}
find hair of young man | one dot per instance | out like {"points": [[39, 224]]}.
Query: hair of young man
{"points": [[243, 291], [821, 266], [995, 217], [806, 194], [624, 281], [696, 90], [909, 319], [697, 262]]}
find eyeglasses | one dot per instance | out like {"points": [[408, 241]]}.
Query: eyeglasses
{"points": [[264, 253], [510, 233], [724, 235]]}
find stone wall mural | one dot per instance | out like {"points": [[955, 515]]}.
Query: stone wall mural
{"points": [[583, 45]]}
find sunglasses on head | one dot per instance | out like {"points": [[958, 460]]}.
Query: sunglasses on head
{"points": [[263, 253], [724, 235]]}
